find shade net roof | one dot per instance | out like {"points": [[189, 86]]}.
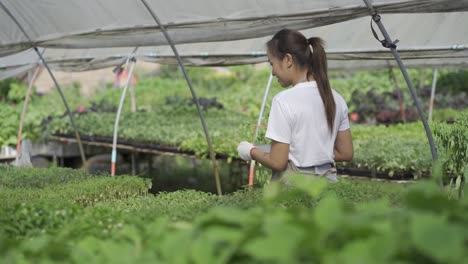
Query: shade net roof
{"points": [[86, 35], [123, 23]]}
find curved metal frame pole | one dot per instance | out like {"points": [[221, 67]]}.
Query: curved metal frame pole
{"points": [[23, 112], [259, 122], [132, 88], [72, 120], [376, 19], [400, 94], [434, 84], [194, 95], [134, 109], [133, 98], [117, 119]]}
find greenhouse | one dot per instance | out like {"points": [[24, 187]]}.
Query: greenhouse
{"points": [[143, 161]]}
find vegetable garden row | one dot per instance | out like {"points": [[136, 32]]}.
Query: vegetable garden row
{"points": [[166, 117]]}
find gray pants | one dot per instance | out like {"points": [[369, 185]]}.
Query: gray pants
{"points": [[326, 170]]}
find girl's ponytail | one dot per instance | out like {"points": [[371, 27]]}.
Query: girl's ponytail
{"points": [[318, 68]]}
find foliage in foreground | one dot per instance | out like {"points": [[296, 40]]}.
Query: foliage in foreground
{"points": [[306, 221], [35, 203]]}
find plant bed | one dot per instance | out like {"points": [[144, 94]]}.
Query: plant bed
{"points": [[374, 174], [130, 144]]}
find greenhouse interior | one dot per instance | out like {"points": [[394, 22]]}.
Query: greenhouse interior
{"points": [[131, 130]]}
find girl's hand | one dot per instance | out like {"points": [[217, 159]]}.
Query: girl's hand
{"points": [[245, 150]]}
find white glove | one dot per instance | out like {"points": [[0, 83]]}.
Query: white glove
{"points": [[244, 150]]}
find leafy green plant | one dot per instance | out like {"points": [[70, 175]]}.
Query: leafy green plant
{"points": [[5, 86], [34, 206], [8, 126], [454, 81], [17, 92], [396, 149], [14, 177], [280, 227], [447, 114], [235, 122], [452, 143]]}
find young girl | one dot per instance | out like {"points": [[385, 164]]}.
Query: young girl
{"points": [[308, 124]]}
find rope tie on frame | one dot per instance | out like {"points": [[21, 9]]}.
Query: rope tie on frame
{"points": [[384, 42]]}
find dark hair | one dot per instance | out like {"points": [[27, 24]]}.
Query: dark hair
{"points": [[293, 42]]}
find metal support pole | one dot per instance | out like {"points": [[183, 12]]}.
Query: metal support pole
{"points": [[72, 120], [400, 94], [194, 95], [132, 88], [117, 118], [390, 44], [23, 113], [133, 101], [434, 84], [133, 98], [259, 122], [134, 109]]}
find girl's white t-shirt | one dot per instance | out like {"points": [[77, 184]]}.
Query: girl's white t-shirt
{"points": [[297, 117]]}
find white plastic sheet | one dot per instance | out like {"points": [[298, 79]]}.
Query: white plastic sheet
{"points": [[443, 41], [126, 23]]}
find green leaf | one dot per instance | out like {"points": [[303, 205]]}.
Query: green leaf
{"points": [[272, 191], [279, 243], [175, 248], [328, 214], [363, 251], [312, 185], [215, 244], [435, 237]]}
